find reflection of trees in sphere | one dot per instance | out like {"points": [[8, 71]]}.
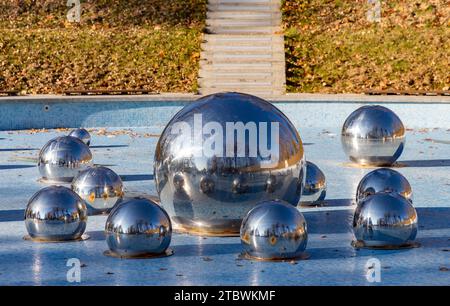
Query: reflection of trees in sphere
{"points": [[100, 187], [209, 186], [384, 180], [315, 184], [373, 135], [274, 230], [385, 220], [138, 227], [55, 213], [81, 134], [62, 158]]}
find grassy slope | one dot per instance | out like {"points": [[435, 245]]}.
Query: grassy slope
{"points": [[154, 44], [331, 47], [150, 44]]}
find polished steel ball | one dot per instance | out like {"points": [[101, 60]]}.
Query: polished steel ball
{"points": [[385, 220], [55, 213], [100, 187], [62, 158], [373, 135], [138, 227], [315, 184], [220, 156], [274, 230], [81, 134], [383, 180]]}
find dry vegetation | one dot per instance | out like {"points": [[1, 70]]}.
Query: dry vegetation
{"points": [[331, 48], [154, 45], [132, 44]]}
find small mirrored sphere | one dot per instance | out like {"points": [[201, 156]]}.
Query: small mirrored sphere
{"points": [[274, 230], [385, 220], [138, 227], [373, 135], [384, 180], [315, 184], [55, 213], [100, 187], [81, 134], [220, 156], [62, 158]]}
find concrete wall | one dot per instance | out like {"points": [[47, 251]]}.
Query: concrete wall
{"points": [[304, 110]]}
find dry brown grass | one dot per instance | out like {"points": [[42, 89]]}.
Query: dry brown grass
{"points": [[331, 48], [132, 44]]}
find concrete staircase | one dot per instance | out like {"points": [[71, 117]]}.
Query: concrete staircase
{"points": [[244, 48]]}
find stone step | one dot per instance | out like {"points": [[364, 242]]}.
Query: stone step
{"points": [[245, 83], [244, 3], [252, 91], [210, 82], [227, 66], [243, 30], [207, 81], [242, 48], [240, 62], [278, 68], [220, 66], [217, 39], [255, 7], [243, 56], [243, 15], [235, 74], [244, 44], [244, 87], [243, 23], [251, 75], [266, 76]]}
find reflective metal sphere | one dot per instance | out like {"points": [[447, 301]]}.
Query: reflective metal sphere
{"points": [[373, 135], [138, 227], [315, 184], [274, 230], [385, 220], [81, 134], [62, 158], [383, 180], [100, 187], [55, 213], [208, 176]]}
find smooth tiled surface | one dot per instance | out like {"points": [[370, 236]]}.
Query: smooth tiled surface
{"points": [[214, 261]]}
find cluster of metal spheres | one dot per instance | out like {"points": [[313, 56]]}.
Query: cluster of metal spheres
{"points": [[135, 226], [385, 216], [252, 190], [212, 193]]}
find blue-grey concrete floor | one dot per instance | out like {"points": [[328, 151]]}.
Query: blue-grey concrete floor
{"points": [[214, 261]]}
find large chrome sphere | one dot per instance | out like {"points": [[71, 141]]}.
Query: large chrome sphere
{"points": [[274, 230], [55, 213], [100, 187], [385, 220], [373, 135], [81, 134], [62, 158], [210, 171], [383, 180], [138, 227], [315, 184]]}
